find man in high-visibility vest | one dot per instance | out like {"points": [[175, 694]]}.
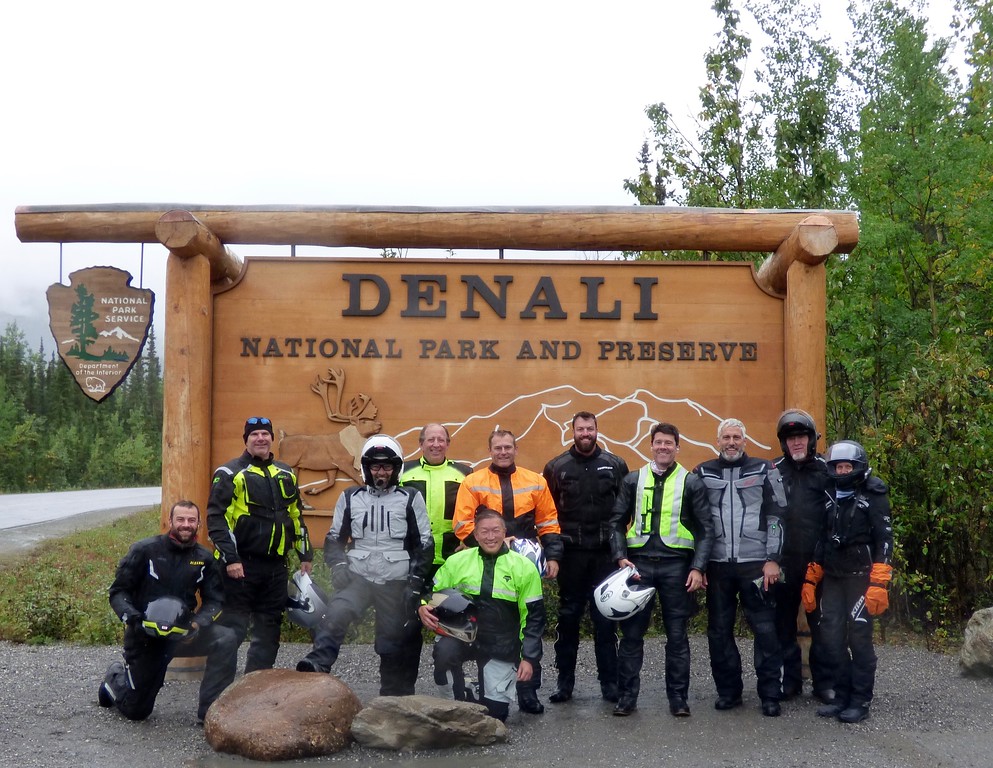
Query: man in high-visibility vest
{"points": [[662, 526], [438, 479]]}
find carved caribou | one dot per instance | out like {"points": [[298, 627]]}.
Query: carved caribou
{"points": [[337, 452]]}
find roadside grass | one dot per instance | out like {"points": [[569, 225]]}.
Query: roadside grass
{"points": [[57, 592]]}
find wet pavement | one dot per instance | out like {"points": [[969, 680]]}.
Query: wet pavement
{"points": [[925, 715], [28, 518]]}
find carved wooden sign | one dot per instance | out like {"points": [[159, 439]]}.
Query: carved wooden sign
{"points": [[477, 344], [100, 324]]}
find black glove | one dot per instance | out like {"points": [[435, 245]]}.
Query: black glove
{"points": [[341, 577], [415, 584], [133, 618], [412, 596]]}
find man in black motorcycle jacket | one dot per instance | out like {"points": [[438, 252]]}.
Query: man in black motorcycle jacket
{"points": [[171, 565]]}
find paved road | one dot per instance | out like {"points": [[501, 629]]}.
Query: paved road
{"points": [[28, 518]]}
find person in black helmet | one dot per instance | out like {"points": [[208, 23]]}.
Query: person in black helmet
{"points": [[156, 571], [379, 550], [852, 566], [804, 477]]}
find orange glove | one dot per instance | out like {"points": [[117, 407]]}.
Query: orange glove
{"points": [[877, 600], [808, 594]]}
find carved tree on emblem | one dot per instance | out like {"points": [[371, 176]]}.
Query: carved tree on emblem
{"points": [[81, 320], [337, 452]]}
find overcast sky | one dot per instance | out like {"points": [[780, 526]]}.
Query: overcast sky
{"points": [[325, 103]]}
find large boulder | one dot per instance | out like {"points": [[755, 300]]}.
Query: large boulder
{"points": [[278, 714], [976, 656], [425, 722]]}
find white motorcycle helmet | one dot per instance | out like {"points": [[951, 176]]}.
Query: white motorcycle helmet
{"points": [[618, 599], [381, 449], [533, 551], [307, 604]]}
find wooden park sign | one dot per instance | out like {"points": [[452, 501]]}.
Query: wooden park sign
{"points": [[100, 324], [335, 349]]}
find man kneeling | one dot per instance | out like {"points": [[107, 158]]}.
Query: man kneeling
{"points": [[505, 589], [155, 594]]}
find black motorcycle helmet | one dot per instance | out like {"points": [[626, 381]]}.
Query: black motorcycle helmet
{"points": [[456, 614], [853, 453], [166, 617], [797, 422]]}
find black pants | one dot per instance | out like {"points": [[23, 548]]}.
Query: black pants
{"points": [[668, 576], [787, 611], [257, 602], [846, 629], [137, 684], [397, 669], [579, 572], [727, 584]]}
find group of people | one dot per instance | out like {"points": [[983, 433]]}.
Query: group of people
{"points": [[804, 530]]}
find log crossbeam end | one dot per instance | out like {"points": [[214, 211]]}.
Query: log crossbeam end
{"points": [[186, 236]]}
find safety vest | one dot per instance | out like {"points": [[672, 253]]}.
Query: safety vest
{"points": [[439, 485], [670, 527]]}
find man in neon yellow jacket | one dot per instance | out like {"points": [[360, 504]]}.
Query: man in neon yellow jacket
{"points": [[510, 616]]}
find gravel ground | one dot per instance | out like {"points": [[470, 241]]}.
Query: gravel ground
{"points": [[925, 715]]}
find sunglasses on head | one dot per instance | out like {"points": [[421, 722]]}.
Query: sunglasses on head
{"points": [[259, 420]]}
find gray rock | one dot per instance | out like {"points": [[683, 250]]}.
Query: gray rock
{"points": [[425, 722], [278, 714], [976, 656]]}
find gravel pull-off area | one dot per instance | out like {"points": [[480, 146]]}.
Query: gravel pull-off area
{"points": [[925, 715]]}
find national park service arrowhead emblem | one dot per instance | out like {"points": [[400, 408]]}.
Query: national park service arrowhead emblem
{"points": [[100, 324]]}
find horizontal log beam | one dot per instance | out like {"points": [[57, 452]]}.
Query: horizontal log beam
{"points": [[607, 228]]}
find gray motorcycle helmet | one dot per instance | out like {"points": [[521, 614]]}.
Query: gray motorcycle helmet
{"points": [[307, 604], [456, 614], [852, 453]]}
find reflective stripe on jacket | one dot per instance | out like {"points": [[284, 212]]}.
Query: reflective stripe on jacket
{"points": [[506, 589], [521, 496], [439, 485], [668, 508]]}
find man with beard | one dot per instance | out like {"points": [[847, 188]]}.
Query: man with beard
{"points": [[172, 565], [379, 551], [584, 482], [661, 525], [747, 504], [805, 479], [522, 497]]}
